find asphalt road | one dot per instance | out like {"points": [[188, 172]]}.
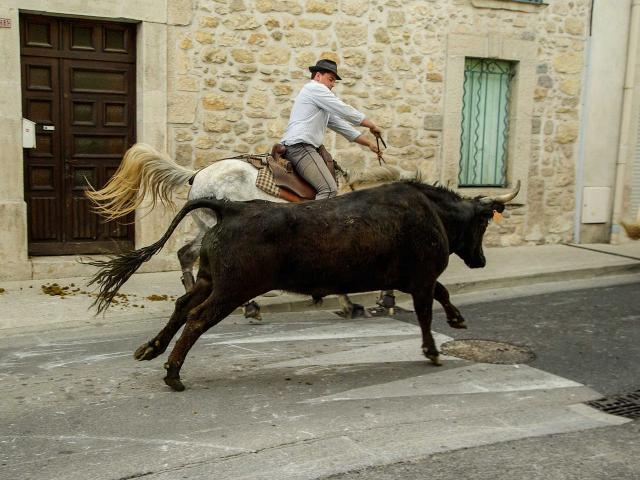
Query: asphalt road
{"points": [[309, 395], [590, 336]]}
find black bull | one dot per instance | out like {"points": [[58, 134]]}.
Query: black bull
{"points": [[397, 236]]}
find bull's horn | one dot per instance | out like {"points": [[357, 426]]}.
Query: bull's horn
{"points": [[507, 197]]}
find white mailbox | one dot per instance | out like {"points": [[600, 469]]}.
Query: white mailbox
{"points": [[596, 203], [28, 133]]}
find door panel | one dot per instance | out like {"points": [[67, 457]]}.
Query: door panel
{"points": [[79, 87], [43, 168], [94, 146]]}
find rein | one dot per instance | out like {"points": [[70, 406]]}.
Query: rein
{"points": [[378, 140]]}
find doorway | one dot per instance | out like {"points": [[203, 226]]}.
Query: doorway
{"points": [[78, 86]]}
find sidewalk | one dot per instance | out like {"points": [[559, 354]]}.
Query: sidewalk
{"points": [[34, 304]]}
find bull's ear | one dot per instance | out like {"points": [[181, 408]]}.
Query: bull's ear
{"points": [[484, 211]]}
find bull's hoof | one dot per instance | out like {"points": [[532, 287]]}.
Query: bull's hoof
{"points": [[433, 357], [251, 310], [173, 377], [457, 323], [146, 351], [174, 383]]}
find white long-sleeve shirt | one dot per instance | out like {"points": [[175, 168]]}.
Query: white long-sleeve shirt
{"points": [[316, 108]]}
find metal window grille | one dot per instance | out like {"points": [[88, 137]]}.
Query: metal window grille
{"points": [[485, 122]]}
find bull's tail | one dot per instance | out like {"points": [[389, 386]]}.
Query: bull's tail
{"points": [[143, 171], [115, 272]]}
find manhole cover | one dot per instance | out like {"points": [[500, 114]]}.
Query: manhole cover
{"points": [[488, 351], [627, 405]]}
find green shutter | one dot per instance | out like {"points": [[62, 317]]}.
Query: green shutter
{"points": [[485, 122]]}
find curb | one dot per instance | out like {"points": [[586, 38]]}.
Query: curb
{"points": [[370, 298]]}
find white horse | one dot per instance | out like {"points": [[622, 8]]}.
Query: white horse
{"points": [[145, 171]]}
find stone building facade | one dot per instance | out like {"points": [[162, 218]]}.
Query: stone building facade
{"points": [[217, 78], [236, 65]]}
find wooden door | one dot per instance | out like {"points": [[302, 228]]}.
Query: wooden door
{"points": [[78, 81]]}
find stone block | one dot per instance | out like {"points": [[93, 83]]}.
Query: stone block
{"points": [[213, 55], [215, 101], [299, 38], [242, 55], [311, 24], [275, 55], [321, 6], [241, 21], [182, 108], [216, 122], [567, 132], [204, 37], [568, 63], [351, 34], [184, 155], [433, 122], [355, 8]]}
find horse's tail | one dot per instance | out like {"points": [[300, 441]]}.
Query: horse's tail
{"points": [[115, 272], [143, 171], [632, 229]]}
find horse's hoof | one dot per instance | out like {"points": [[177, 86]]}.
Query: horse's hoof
{"points": [[145, 352], [433, 357], [357, 311], [174, 383]]}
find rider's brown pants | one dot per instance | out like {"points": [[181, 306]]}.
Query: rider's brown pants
{"points": [[312, 167]]}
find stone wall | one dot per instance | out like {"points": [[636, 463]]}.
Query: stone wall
{"points": [[236, 65]]}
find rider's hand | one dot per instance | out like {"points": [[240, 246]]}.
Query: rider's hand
{"points": [[375, 130], [374, 148]]}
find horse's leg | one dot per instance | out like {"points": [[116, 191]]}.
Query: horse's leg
{"points": [[387, 300], [200, 319], [350, 309], [454, 317], [188, 254], [157, 345]]}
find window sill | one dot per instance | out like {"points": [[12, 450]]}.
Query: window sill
{"points": [[508, 5]]}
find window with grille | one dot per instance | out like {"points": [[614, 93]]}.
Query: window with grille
{"points": [[485, 122]]}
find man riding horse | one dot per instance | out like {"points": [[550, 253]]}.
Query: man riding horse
{"points": [[315, 108]]}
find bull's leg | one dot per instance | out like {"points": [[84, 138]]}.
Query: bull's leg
{"points": [[454, 317], [157, 345], [423, 304], [200, 319], [350, 309], [252, 310]]}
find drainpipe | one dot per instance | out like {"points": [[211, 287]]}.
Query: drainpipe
{"points": [[625, 123], [584, 105]]}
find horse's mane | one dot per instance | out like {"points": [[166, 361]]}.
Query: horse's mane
{"points": [[377, 174]]}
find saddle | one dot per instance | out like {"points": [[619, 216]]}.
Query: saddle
{"points": [[289, 185]]}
